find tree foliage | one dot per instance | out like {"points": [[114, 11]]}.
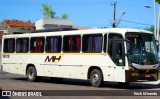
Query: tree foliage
{"points": [[150, 29], [48, 11], [158, 1], [64, 16]]}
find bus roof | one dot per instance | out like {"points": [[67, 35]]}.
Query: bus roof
{"points": [[77, 32]]}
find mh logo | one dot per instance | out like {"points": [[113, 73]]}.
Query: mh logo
{"points": [[52, 59]]}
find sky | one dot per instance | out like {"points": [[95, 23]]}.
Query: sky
{"points": [[89, 13]]}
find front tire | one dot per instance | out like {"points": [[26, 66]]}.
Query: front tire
{"points": [[32, 74], [96, 78]]}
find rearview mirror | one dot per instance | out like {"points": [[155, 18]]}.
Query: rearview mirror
{"points": [[157, 45]]}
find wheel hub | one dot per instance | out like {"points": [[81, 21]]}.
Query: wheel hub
{"points": [[95, 78], [31, 73]]}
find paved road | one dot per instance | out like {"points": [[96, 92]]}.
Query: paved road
{"points": [[20, 82]]}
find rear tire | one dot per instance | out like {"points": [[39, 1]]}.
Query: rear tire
{"points": [[32, 74], [96, 78]]}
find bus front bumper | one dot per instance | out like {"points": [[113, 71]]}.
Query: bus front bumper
{"points": [[134, 76]]}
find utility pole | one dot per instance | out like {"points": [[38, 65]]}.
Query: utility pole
{"points": [[114, 15]]}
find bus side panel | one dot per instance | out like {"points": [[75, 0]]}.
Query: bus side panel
{"points": [[66, 67], [35, 60], [107, 73], [77, 66], [9, 63], [119, 74], [9, 68], [17, 63]]}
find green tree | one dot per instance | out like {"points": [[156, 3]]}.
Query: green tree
{"points": [[48, 11], [151, 28], [158, 1], [64, 16]]}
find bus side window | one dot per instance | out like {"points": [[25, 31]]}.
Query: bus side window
{"points": [[92, 43], [72, 43], [22, 45], [53, 44], [37, 44], [25, 45], [9, 45]]}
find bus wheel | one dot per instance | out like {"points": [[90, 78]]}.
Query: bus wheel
{"points": [[31, 74], [96, 78]]}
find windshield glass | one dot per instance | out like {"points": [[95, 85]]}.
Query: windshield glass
{"points": [[142, 49]]}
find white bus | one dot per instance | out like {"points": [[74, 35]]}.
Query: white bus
{"points": [[112, 54]]}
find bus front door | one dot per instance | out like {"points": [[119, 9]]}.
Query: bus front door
{"points": [[118, 57]]}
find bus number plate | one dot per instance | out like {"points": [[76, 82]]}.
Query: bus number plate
{"points": [[147, 76]]}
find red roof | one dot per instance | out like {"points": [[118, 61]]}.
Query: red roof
{"points": [[18, 23]]}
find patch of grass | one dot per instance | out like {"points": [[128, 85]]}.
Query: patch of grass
{"points": [[159, 75]]}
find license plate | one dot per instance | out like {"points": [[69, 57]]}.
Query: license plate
{"points": [[147, 76]]}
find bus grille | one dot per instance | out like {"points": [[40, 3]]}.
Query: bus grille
{"points": [[146, 71]]}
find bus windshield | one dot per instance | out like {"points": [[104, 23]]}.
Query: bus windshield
{"points": [[142, 49]]}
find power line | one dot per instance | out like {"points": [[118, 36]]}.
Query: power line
{"points": [[67, 3], [130, 4], [136, 22], [62, 3], [72, 3]]}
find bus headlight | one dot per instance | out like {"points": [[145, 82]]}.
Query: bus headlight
{"points": [[134, 74]]}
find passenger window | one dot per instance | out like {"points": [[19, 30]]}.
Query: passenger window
{"points": [[22, 45], [53, 44], [72, 43], [92, 43], [37, 44], [9, 45]]}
